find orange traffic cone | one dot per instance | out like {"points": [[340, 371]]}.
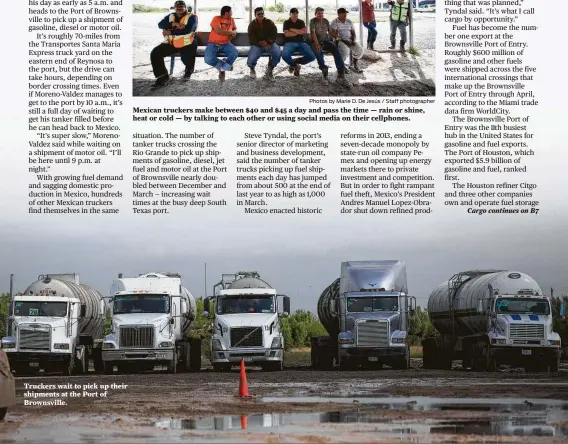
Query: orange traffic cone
{"points": [[244, 421], [243, 384]]}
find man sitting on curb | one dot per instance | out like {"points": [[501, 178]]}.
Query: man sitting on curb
{"points": [[223, 29], [323, 39], [262, 34], [179, 30], [347, 38], [294, 32], [398, 20]]}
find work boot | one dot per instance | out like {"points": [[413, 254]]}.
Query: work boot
{"points": [[393, 45], [252, 72], [161, 81], [324, 72], [187, 75], [342, 80], [270, 72], [356, 67], [369, 46], [402, 47]]}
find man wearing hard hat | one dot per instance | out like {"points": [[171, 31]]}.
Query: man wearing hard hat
{"points": [[179, 29]]}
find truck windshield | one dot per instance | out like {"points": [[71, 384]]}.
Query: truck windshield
{"points": [[245, 304], [141, 303], [522, 306], [372, 304], [55, 309]]}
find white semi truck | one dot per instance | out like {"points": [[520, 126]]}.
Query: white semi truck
{"points": [[489, 318], [246, 323], [56, 325], [366, 313], [151, 316]]}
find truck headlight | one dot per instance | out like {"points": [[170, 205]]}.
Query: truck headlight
{"points": [[8, 345], [108, 345], [499, 341], [399, 340], [8, 342], [554, 343], [165, 344], [216, 345], [276, 343], [346, 337], [61, 346]]}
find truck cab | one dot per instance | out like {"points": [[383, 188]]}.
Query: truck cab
{"points": [[520, 331], [374, 329], [42, 333], [246, 326], [149, 318]]}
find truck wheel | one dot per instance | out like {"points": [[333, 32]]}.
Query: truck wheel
{"points": [[70, 368], [108, 368], [3, 412], [172, 365], [195, 355]]}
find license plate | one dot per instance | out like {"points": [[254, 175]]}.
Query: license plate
{"points": [[34, 364], [373, 359], [248, 359], [526, 352]]}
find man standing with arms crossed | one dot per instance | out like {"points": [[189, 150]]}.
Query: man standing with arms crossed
{"points": [[294, 32], [223, 29], [398, 20], [323, 38]]}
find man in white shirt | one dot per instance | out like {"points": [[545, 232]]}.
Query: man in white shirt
{"points": [[347, 38]]}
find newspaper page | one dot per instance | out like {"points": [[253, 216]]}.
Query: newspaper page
{"points": [[283, 221]]}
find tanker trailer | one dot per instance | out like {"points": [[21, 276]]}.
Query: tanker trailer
{"points": [[56, 325], [246, 322], [151, 317], [489, 318], [366, 313]]}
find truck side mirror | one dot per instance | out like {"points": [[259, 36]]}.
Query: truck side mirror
{"points": [[286, 303], [102, 307], [206, 308], [480, 306], [563, 310], [83, 310]]}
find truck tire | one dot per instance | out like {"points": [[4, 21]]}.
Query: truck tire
{"points": [[172, 365], [108, 368], [3, 412], [195, 355], [70, 367]]}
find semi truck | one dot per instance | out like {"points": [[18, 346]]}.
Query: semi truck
{"points": [[489, 318], [366, 313], [246, 322], [151, 316], [56, 325]]}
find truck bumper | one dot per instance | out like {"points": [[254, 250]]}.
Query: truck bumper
{"points": [[149, 354], [249, 355], [520, 355], [34, 359], [373, 354]]}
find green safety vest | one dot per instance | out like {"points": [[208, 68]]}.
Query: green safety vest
{"points": [[399, 12]]}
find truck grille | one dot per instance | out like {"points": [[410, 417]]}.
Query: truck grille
{"points": [[524, 331], [137, 337], [373, 334], [37, 339], [254, 338]]}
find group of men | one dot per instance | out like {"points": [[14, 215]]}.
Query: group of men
{"points": [[337, 38]]}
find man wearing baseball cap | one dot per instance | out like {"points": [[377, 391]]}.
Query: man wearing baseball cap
{"points": [[294, 33], [179, 29], [347, 38]]}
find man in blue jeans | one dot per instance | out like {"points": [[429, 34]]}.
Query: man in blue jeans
{"points": [[294, 32], [262, 34], [223, 29], [323, 39]]}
